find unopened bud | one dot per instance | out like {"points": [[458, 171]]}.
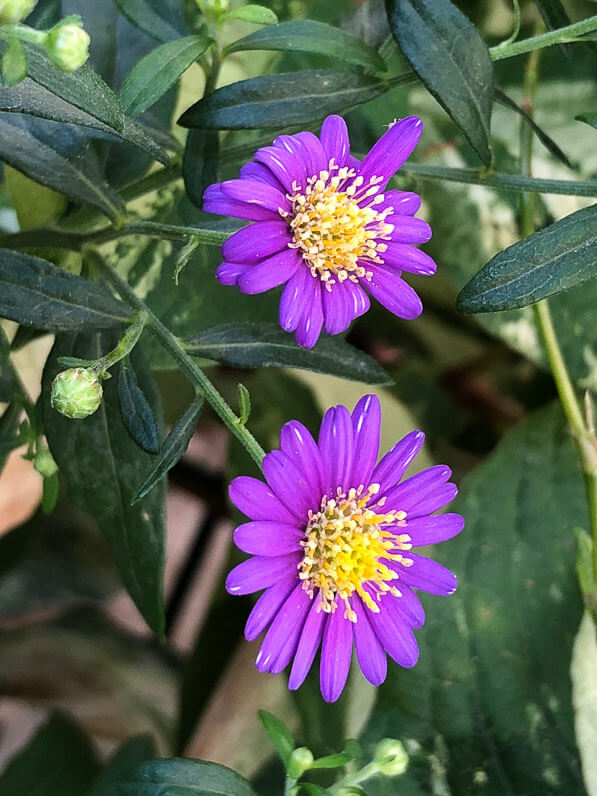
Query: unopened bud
{"points": [[68, 46], [299, 761], [44, 463], [391, 757], [215, 8], [76, 393], [13, 11]]}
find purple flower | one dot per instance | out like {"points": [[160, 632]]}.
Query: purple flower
{"points": [[325, 228], [331, 540]]}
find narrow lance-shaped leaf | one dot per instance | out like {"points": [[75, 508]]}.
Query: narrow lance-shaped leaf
{"points": [[38, 293], [172, 448], [257, 15], [161, 19], [136, 411], [446, 51], [555, 16], [307, 35], [153, 75], [278, 732], [253, 345], [132, 752], [284, 99], [200, 163], [555, 259], [8, 381]]}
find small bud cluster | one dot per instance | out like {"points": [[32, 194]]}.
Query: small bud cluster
{"points": [[68, 46], [13, 11], [76, 393]]}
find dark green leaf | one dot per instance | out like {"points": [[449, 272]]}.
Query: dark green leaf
{"points": [[59, 761], [313, 790], [158, 71], [331, 761], [102, 466], [491, 692], [136, 411], [163, 20], [307, 35], [9, 431], [555, 16], [178, 777], [51, 487], [38, 293], [588, 118], [284, 99], [252, 345], [200, 163], [258, 15], [14, 63], [8, 382], [133, 752], [446, 51], [278, 732], [172, 448], [555, 259], [137, 134], [76, 178]]}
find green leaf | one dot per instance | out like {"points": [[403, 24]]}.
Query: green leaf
{"points": [[258, 15], [153, 75], [161, 19], [8, 381], [278, 732], [307, 35], [133, 752], [9, 431], [77, 178], [178, 777], [283, 99], [59, 761], [200, 163], [587, 118], [172, 448], [38, 293], [102, 466], [136, 411], [582, 672], [253, 345], [14, 63], [338, 760], [488, 707], [555, 16], [446, 51], [555, 259], [51, 488]]}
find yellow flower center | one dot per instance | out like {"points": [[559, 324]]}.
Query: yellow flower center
{"points": [[344, 548], [332, 228]]}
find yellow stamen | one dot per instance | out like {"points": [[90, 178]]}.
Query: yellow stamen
{"points": [[344, 545], [332, 230]]}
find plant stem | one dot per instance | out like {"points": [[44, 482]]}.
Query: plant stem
{"points": [[186, 363], [568, 33]]}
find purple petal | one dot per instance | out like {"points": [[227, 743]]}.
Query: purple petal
{"points": [[315, 158], [267, 607], [334, 139], [409, 495], [370, 653], [267, 538], [404, 203], [308, 645], [228, 273], [397, 460], [407, 258], [409, 605], [289, 484], [216, 202], [284, 165], [426, 575], [257, 171], [270, 273], [336, 309], [292, 301], [366, 423], [298, 444], [432, 530], [260, 572], [358, 300], [409, 229], [335, 654], [335, 444], [393, 148], [353, 163], [257, 501], [392, 292], [255, 193], [253, 243], [309, 326], [281, 639], [394, 633]]}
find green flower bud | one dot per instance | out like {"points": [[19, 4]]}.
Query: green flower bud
{"points": [[13, 11], [76, 393], [390, 757], [68, 46], [214, 8], [44, 463], [299, 761]]}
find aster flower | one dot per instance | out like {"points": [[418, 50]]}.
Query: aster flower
{"points": [[331, 539], [325, 228]]}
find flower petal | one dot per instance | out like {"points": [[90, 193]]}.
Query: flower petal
{"points": [[253, 243], [404, 203], [298, 444], [397, 460], [270, 273], [393, 148], [314, 156], [284, 165], [280, 642], [335, 655], [392, 292], [228, 273], [432, 530], [334, 139], [255, 193], [407, 258], [309, 326], [426, 575], [259, 572], [257, 171], [366, 423], [335, 444], [292, 301], [409, 605], [409, 229], [308, 645], [370, 652], [267, 606], [216, 202], [409, 495], [394, 633], [257, 501], [336, 309], [267, 538], [289, 484]]}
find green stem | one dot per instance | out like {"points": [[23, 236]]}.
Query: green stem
{"points": [[124, 346], [24, 33], [368, 771], [569, 33], [186, 363], [289, 786], [516, 29]]}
